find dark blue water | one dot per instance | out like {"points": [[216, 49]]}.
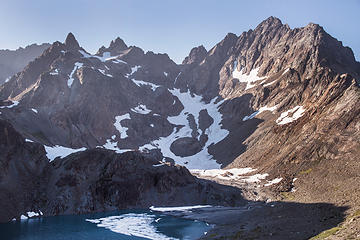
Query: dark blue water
{"points": [[118, 225]]}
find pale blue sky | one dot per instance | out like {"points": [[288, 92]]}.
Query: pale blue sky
{"points": [[168, 26]]}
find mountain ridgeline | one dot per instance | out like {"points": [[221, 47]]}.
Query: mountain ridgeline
{"points": [[283, 101], [14, 61]]}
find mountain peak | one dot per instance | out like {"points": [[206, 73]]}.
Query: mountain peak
{"points": [[115, 48], [71, 41], [196, 55], [270, 22], [118, 44]]}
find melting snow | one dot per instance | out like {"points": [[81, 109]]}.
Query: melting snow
{"points": [[54, 72], [262, 109], [182, 209], [274, 181], [231, 174], [14, 104], [177, 77], [225, 174], [142, 109], [105, 57], [112, 145], [103, 72], [249, 79], [296, 113], [193, 104], [132, 224], [60, 151], [122, 130], [139, 83], [33, 214], [77, 65], [133, 70]]}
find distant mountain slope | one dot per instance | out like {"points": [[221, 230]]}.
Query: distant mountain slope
{"points": [[13, 61]]}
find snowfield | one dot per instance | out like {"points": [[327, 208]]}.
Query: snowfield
{"points": [[122, 130], [193, 104], [262, 109], [14, 104], [231, 174], [249, 79], [141, 109], [290, 115], [77, 66], [60, 151]]}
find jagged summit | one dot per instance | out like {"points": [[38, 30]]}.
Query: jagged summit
{"points": [[71, 42], [196, 55], [116, 47], [118, 44]]}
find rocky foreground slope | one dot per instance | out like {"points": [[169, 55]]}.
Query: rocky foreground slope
{"points": [[94, 180], [282, 103]]}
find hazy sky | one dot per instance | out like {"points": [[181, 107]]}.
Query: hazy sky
{"points": [[168, 26]]}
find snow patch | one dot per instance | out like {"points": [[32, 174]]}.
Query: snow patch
{"points": [[112, 145], [290, 115], [28, 140], [288, 69], [249, 79], [177, 77], [33, 214], [133, 70], [224, 174], [14, 104], [34, 110], [60, 151], [262, 109], [23, 217], [54, 72], [122, 130], [231, 174], [105, 57], [140, 83], [166, 74], [181, 209], [274, 181], [141, 109], [70, 81], [103, 73], [132, 224], [7, 79]]}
